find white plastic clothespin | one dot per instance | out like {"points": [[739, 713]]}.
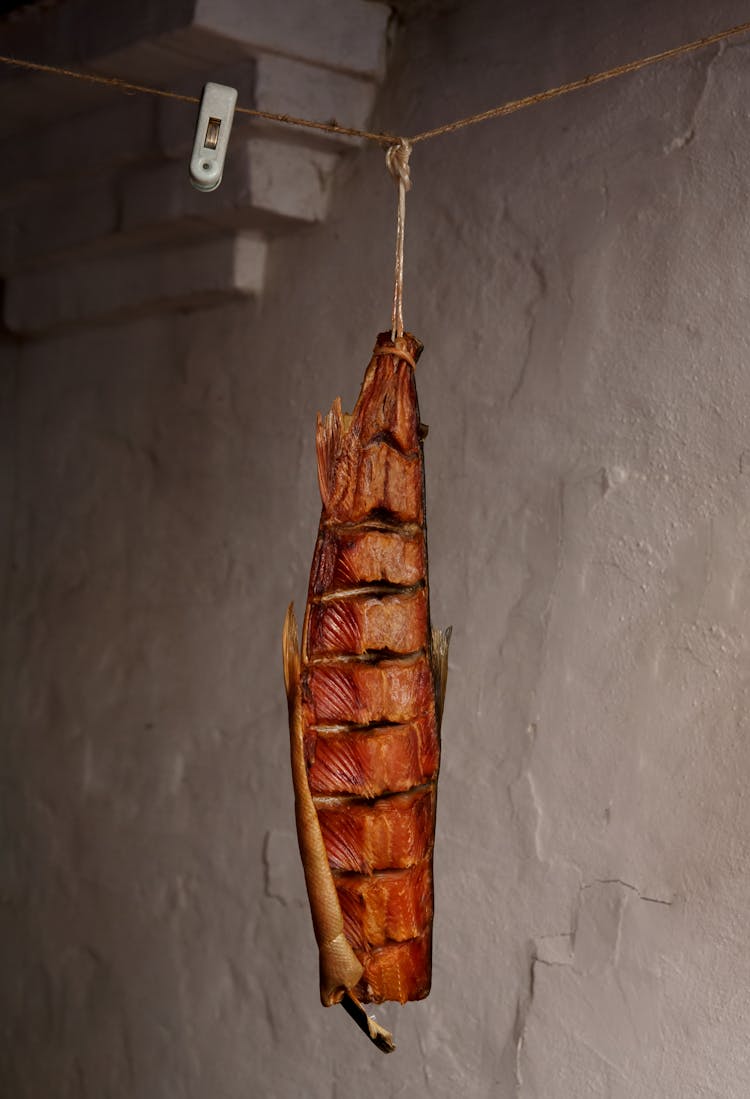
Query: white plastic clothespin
{"points": [[212, 135]]}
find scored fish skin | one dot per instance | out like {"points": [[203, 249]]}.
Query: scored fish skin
{"points": [[371, 678], [393, 622], [365, 692], [345, 556], [388, 758]]}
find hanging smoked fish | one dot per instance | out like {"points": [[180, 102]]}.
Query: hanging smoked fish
{"points": [[365, 695]]}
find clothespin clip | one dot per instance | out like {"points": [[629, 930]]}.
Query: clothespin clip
{"points": [[212, 135]]}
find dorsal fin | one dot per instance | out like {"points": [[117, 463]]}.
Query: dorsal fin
{"points": [[328, 445]]}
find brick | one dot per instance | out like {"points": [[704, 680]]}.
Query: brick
{"points": [[56, 222], [289, 180], [79, 30], [136, 281], [165, 43], [84, 144], [292, 87], [348, 37], [78, 34], [266, 184]]}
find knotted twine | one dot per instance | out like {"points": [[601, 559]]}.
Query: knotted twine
{"points": [[397, 162]]}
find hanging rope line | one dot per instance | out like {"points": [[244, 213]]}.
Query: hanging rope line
{"points": [[397, 162], [125, 86], [585, 82], [387, 139]]}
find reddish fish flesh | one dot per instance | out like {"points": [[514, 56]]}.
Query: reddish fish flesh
{"points": [[365, 693]]}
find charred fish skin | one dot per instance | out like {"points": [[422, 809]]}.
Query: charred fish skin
{"points": [[370, 682]]}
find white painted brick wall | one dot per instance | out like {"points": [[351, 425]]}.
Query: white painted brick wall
{"points": [[62, 219], [291, 87], [578, 276], [84, 145], [265, 183], [104, 188], [347, 36], [159, 277]]}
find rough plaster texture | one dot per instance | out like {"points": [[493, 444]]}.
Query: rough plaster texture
{"points": [[579, 277]]}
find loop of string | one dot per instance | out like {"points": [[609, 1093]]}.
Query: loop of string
{"points": [[397, 162]]}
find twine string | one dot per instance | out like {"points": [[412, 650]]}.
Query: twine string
{"points": [[331, 127], [398, 149], [387, 139], [514, 105], [397, 162]]}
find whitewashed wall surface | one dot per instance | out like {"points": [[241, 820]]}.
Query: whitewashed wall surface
{"points": [[578, 273]]}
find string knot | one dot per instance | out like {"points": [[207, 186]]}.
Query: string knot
{"points": [[397, 162]]}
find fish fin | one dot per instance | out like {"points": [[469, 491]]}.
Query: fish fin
{"points": [[340, 969], [290, 654], [439, 660], [328, 438]]}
